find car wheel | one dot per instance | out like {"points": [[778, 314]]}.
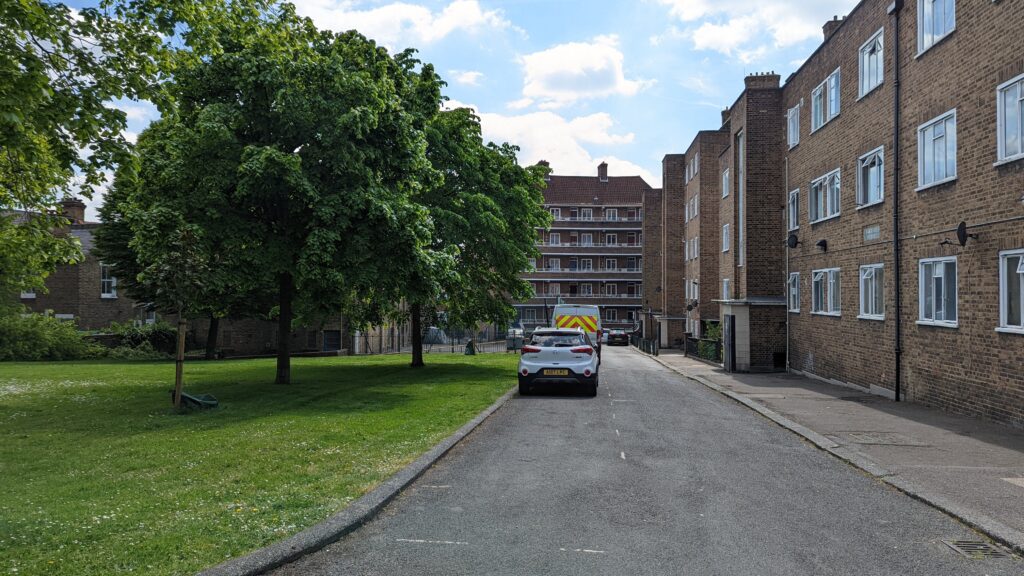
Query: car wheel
{"points": [[524, 389]]}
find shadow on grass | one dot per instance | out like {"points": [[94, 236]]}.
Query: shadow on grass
{"points": [[118, 399]]}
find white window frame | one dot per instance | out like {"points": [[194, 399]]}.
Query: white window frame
{"points": [[696, 247], [725, 238], [793, 126], [611, 289], [825, 100], [586, 289], [793, 209], [872, 285], [611, 263], [726, 289], [529, 315], [586, 264], [1001, 153], [611, 214], [586, 214], [830, 302], [923, 282], [554, 264], [554, 289], [531, 264], [556, 213], [108, 282], [611, 239], [555, 239], [1004, 295], [587, 239], [862, 185], [925, 42], [725, 183], [827, 181], [922, 152], [28, 295], [611, 315], [793, 292], [865, 63]]}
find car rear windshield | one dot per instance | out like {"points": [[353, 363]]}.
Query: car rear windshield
{"points": [[558, 339]]}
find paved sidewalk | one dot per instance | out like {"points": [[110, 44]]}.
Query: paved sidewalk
{"points": [[971, 469]]}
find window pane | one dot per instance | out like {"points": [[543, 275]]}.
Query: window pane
{"points": [[1011, 120], [929, 294], [928, 169], [950, 147], [939, 152], [927, 16], [1013, 294], [950, 291], [879, 292]]}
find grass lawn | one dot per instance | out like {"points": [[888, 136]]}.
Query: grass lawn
{"points": [[99, 476]]}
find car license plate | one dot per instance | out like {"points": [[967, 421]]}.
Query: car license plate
{"points": [[556, 372]]}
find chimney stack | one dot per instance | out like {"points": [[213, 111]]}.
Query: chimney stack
{"points": [[765, 80], [602, 171], [726, 115], [74, 210], [830, 27]]}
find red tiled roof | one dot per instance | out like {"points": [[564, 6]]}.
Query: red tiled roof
{"points": [[590, 190]]}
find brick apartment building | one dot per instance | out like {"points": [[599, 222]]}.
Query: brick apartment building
{"points": [[841, 195], [593, 252], [87, 293]]}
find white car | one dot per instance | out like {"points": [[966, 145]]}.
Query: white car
{"points": [[557, 355]]}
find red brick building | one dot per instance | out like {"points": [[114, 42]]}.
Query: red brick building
{"points": [[593, 252], [871, 224]]}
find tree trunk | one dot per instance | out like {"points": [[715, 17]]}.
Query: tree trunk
{"points": [[211, 338], [417, 337], [284, 331], [179, 361]]}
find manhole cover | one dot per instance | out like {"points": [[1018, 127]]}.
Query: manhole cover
{"points": [[976, 550], [882, 439]]}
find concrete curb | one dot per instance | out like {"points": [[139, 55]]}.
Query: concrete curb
{"points": [[1001, 533], [352, 517]]}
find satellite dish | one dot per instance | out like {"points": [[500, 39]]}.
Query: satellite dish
{"points": [[962, 235], [823, 244], [792, 241], [689, 307]]}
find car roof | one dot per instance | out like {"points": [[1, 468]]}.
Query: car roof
{"points": [[548, 330]]}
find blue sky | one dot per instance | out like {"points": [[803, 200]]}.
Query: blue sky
{"points": [[577, 82]]}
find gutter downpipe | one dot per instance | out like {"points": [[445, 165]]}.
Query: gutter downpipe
{"points": [[894, 11]]}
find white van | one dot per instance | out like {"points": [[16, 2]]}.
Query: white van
{"points": [[582, 316]]}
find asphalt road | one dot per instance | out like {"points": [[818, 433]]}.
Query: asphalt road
{"points": [[656, 475]]}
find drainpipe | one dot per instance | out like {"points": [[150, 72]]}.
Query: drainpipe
{"points": [[894, 11]]}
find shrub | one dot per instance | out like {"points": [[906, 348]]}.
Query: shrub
{"points": [[160, 337], [39, 337], [143, 351]]}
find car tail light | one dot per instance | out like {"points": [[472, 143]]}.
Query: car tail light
{"points": [[583, 350], [587, 372], [530, 349]]}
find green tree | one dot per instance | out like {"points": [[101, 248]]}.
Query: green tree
{"points": [[485, 210], [61, 70], [292, 151]]}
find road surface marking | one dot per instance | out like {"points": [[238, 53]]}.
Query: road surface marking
{"points": [[613, 415], [1017, 481], [582, 550], [617, 432], [429, 541], [436, 486], [622, 455], [623, 400]]}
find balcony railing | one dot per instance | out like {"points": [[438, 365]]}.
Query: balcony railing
{"points": [[591, 244], [587, 271], [597, 296], [578, 219]]}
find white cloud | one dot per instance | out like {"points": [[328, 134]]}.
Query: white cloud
{"points": [[466, 77], [519, 104], [567, 73], [401, 24], [546, 135], [747, 28]]}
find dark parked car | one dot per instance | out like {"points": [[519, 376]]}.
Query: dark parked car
{"points": [[618, 337]]}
